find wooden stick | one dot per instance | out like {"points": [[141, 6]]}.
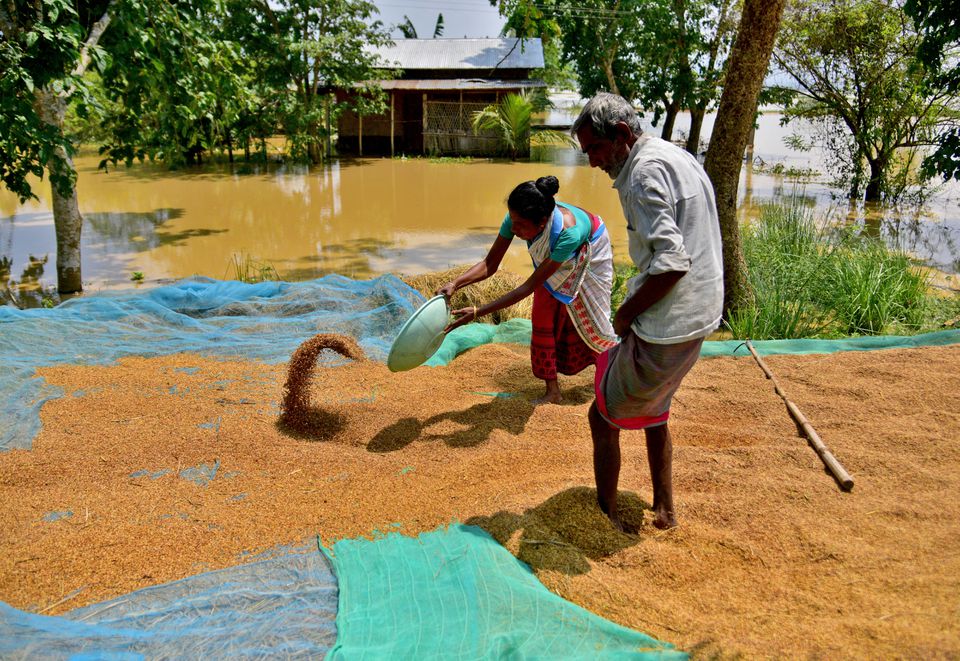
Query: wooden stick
{"points": [[839, 473]]}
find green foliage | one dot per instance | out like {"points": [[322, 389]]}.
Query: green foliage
{"points": [[510, 120], [407, 28], [297, 53], [667, 55], [937, 24], [38, 60], [137, 276], [857, 80], [785, 255], [526, 19], [789, 172], [809, 282], [872, 290], [175, 83]]}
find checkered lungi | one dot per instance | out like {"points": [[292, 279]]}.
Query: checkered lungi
{"points": [[636, 380]]}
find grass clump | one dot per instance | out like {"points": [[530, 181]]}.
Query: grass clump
{"points": [[815, 282], [248, 269]]}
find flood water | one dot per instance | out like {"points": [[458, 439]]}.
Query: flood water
{"points": [[365, 217]]}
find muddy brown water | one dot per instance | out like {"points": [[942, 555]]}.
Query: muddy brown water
{"points": [[367, 216]]}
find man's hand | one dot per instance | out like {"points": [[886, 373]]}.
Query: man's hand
{"points": [[447, 290], [621, 323]]}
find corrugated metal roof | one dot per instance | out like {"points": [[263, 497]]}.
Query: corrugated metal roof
{"points": [[459, 84], [506, 53]]}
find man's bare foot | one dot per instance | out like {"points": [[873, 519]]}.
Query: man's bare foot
{"points": [[617, 523], [664, 519]]}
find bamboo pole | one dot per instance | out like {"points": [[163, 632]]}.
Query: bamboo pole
{"points": [[839, 473]]}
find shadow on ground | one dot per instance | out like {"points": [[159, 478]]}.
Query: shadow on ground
{"points": [[459, 429], [566, 530]]}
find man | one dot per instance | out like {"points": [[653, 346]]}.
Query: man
{"points": [[673, 303]]}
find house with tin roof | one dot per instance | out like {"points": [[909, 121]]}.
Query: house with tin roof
{"points": [[436, 86]]}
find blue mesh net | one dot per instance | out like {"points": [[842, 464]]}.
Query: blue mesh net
{"points": [[283, 607], [264, 322]]}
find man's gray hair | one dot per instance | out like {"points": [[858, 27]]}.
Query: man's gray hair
{"points": [[603, 112]]}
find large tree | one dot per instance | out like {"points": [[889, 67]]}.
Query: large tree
{"points": [[666, 55], [305, 49], [48, 47], [681, 53], [597, 37], [749, 61], [855, 76]]}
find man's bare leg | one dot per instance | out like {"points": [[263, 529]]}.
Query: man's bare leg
{"points": [[660, 458], [606, 463], [552, 393]]}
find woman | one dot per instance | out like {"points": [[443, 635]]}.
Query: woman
{"points": [[571, 282]]}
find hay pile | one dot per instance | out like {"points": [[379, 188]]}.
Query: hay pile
{"points": [[476, 294]]}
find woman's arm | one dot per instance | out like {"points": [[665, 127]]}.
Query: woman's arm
{"points": [[537, 278], [480, 270]]}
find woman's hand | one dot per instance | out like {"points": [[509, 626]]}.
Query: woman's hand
{"points": [[447, 290], [464, 316]]}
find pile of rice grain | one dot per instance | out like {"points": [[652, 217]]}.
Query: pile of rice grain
{"points": [[296, 414]]}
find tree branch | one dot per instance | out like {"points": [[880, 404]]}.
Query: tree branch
{"points": [[95, 33]]}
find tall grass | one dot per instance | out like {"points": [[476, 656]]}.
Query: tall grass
{"points": [[787, 257], [873, 290], [812, 282]]}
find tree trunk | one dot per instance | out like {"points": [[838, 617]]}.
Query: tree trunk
{"points": [[66, 211], [696, 124], [875, 184], [611, 79], [669, 119], [749, 60]]}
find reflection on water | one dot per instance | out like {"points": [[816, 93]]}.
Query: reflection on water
{"points": [[365, 217], [27, 290]]}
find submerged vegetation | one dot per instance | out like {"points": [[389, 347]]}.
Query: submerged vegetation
{"points": [[249, 269], [818, 281]]}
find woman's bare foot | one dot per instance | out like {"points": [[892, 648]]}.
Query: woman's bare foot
{"points": [[548, 399], [551, 395]]}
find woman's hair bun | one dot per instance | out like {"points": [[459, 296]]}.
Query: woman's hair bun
{"points": [[548, 185]]}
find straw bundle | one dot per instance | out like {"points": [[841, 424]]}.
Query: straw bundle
{"points": [[476, 294]]}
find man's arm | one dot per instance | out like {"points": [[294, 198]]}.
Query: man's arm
{"points": [[652, 290]]}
